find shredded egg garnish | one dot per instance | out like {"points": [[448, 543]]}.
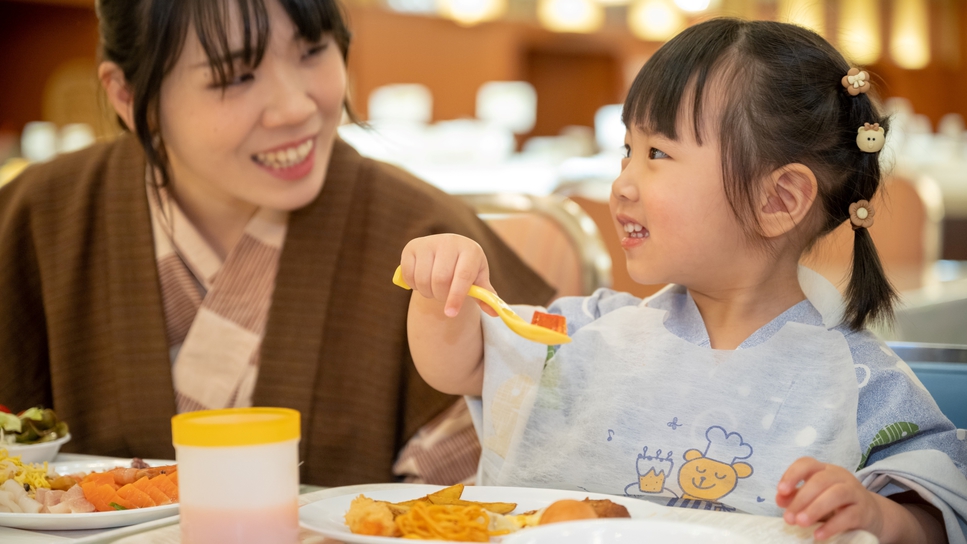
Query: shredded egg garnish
{"points": [[12, 468]]}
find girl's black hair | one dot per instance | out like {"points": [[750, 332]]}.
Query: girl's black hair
{"points": [[784, 103], [146, 37]]}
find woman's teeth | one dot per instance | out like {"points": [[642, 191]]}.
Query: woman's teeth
{"points": [[286, 158], [635, 230]]}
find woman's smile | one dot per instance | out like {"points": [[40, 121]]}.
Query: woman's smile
{"points": [[291, 161]]}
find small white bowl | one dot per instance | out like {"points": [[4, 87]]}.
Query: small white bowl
{"points": [[36, 453], [624, 531]]}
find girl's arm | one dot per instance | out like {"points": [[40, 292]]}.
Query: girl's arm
{"points": [[444, 333]]}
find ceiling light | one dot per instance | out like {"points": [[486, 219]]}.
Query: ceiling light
{"points": [[909, 42], [654, 20], [570, 15]]}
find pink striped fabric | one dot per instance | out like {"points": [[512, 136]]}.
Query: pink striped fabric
{"points": [[215, 312]]}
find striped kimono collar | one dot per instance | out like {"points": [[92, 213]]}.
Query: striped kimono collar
{"points": [[215, 310]]}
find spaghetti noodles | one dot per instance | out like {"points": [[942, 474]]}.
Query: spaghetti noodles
{"points": [[445, 522]]}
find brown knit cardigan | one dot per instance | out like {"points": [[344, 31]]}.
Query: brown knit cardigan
{"points": [[82, 326]]}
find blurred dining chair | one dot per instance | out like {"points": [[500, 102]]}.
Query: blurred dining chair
{"points": [[907, 234], [552, 234], [942, 369]]}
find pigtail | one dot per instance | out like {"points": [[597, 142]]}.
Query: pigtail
{"points": [[869, 295]]}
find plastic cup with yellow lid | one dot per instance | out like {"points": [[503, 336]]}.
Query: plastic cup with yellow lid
{"points": [[238, 475]]}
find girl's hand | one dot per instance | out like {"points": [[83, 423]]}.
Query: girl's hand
{"points": [[443, 267], [830, 494]]}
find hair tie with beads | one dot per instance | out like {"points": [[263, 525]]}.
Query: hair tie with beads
{"points": [[861, 214], [856, 81]]}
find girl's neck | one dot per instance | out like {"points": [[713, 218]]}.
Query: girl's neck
{"points": [[221, 221], [734, 309]]}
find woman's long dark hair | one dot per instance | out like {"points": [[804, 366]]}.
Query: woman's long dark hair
{"points": [[784, 103], [146, 37]]}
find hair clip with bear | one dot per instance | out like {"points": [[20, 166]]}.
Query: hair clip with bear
{"points": [[870, 138]]}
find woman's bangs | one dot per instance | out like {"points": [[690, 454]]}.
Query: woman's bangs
{"points": [[313, 18], [212, 21]]}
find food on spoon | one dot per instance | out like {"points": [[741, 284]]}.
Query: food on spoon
{"points": [[555, 322]]}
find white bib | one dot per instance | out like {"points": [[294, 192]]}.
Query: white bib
{"points": [[629, 408]]}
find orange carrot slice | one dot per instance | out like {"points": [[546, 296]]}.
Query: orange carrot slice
{"points": [[554, 322], [164, 484], [144, 484], [135, 496]]}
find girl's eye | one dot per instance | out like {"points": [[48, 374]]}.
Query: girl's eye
{"points": [[316, 49], [242, 78], [626, 152], [655, 153]]}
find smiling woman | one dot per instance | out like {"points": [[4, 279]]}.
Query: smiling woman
{"points": [[230, 251]]}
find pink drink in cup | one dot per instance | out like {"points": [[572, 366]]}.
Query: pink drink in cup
{"points": [[238, 475]]}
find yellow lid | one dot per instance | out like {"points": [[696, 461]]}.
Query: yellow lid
{"points": [[235, 427]]}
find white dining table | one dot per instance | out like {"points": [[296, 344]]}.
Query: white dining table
{"points": [[758, 529]]}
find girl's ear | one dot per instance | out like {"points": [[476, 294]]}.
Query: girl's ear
{"points": [[118, 92], [788, 195]]}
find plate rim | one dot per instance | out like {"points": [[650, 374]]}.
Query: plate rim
{"points": [[522, 538], [90, 520], [367, 489]]}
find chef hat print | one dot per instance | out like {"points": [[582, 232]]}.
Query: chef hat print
{"points": [[726, 447]]}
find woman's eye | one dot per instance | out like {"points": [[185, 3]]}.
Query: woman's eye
{"points": [[626, 152], [655, 153]]}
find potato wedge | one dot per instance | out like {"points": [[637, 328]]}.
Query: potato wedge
{"points": [[495, 507], [446, 494], [410, 504]]}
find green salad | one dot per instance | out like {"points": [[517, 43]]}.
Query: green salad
{"points": [[32, 426]]}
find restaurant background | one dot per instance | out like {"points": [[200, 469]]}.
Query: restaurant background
{"points": [[523, 96]]}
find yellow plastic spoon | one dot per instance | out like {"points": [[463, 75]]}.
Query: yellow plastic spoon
{"points": [[517, 324]]}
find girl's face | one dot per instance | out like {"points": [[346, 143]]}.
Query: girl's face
{"points": [[671, 213], [266, 139]]}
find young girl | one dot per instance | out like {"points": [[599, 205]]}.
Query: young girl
{"points": [[747, 384]]}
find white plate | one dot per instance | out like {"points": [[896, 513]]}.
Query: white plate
{"points": [[327, 516], [93, 520], [625, 531]]}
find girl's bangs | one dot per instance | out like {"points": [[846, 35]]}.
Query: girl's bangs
{"points": [[682, 68]]}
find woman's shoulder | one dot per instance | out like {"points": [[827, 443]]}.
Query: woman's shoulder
{"points": [[73, 174]]}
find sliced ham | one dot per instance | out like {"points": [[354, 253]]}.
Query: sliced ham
{"points": [[75, 499]]}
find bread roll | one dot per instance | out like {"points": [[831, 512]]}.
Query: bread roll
{"points": [[567, 510]]}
